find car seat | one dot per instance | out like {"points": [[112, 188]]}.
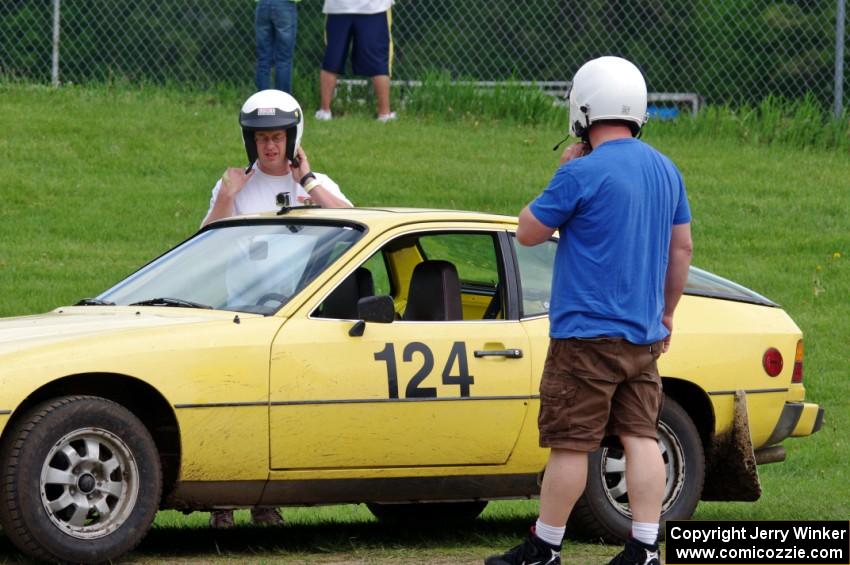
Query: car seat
{"points": [[434, 293], [341, 304]]}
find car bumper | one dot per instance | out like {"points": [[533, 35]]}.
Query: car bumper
{"points": [[798, 419], [810, 421]]}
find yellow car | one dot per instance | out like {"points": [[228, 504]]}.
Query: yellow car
{"points": [[384, 356]]}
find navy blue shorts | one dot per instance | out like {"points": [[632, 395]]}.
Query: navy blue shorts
{"points": [[371, 52]]}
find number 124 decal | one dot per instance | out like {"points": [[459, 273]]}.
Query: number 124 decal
{"points": [[457, 356]]}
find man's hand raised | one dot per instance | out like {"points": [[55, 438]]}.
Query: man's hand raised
{"points": [[303, 165], [574, 151], [233, 180]]}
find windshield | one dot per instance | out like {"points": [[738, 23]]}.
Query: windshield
{"points": [[244, 267], [703, 283]]}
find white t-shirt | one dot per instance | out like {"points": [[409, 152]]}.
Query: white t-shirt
{"points": [[260, 192], [356, 6]]}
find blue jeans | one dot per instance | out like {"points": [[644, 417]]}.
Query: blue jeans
{"points": [[275, 23]]}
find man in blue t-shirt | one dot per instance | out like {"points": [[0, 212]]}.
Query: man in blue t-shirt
{"points": [[621, 266]]}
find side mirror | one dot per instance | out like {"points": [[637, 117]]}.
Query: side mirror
{"points": [[380, 309]]}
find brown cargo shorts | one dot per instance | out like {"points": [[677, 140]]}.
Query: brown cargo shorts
{"points": [[593, 388]]}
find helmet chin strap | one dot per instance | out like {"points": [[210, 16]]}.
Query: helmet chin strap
{"points": [[583, 131]]}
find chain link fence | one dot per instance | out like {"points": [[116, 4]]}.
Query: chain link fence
{"points": [[726, 51]]}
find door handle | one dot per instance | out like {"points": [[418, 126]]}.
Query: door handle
{"points": [[509, 353]]}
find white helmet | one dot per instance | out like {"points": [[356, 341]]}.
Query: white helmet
{"points": [[270, 110], [607, 88]]}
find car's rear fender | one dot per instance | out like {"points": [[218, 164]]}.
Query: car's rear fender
{"points": [[137, 396], [695, 402], [730, 470]]}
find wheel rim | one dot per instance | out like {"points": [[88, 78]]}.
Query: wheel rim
{"points": [[89, 483], [613, 472]]}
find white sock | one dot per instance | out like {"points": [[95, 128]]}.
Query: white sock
{"points": [[645, 532], [549, 534]]}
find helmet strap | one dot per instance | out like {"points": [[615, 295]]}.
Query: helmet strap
{"points": [[250, 146], [583, 129], [583, 132], [291, 133]]}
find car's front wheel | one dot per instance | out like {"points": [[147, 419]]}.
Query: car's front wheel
{"points": [[81, 480], [603, 511]]}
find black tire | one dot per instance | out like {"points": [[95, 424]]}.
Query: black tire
{"points": [[427, 512], [602, 512], [80, 480]]}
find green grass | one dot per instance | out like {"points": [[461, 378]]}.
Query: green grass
{"points": [[775, 121], [799, 123], [98, 180]]}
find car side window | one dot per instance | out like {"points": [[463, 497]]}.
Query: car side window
{"points": [[475, 258], [474, 255], [535, 275], [378, 267], [368, 279], [430, 276]]}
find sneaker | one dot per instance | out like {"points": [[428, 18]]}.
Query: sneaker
{"points": [[532, 551], [637, 553], [384, 118], [221, 519], [324, 115], [266, 517]]}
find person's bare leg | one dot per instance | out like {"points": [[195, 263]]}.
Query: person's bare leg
{"points": [[563, 483], [327, 81], [382, 93], [645, 476]]}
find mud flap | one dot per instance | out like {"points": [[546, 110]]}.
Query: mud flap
{"points": [[731, 472]]}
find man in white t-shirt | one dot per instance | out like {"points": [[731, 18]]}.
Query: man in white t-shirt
{"points": [[272, 125]]}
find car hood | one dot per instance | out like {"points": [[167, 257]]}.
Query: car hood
{"points": [[62, 324]]}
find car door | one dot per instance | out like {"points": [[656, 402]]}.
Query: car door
{"points": [[534, 267], [411, 392]]}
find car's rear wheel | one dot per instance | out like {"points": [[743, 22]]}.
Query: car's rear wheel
{"points": [[603, 511], [81, 480], [431, 512]]}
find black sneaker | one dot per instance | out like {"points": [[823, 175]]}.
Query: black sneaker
{"points": [[533, 551], [637, 553]]}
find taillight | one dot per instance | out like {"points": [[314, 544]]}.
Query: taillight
{"points": [[797, 377], [772, 362]]}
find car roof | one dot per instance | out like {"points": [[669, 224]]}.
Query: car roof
{"points": [[383, 216]]}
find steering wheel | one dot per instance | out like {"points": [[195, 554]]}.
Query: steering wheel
{"points": [[276, 296]]}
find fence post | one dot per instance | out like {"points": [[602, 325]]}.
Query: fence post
{"points": [[54, 71], [840, 16]]}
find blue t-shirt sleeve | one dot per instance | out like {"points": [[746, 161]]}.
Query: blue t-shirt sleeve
{"points": [[682, 215], [557, 204]]}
